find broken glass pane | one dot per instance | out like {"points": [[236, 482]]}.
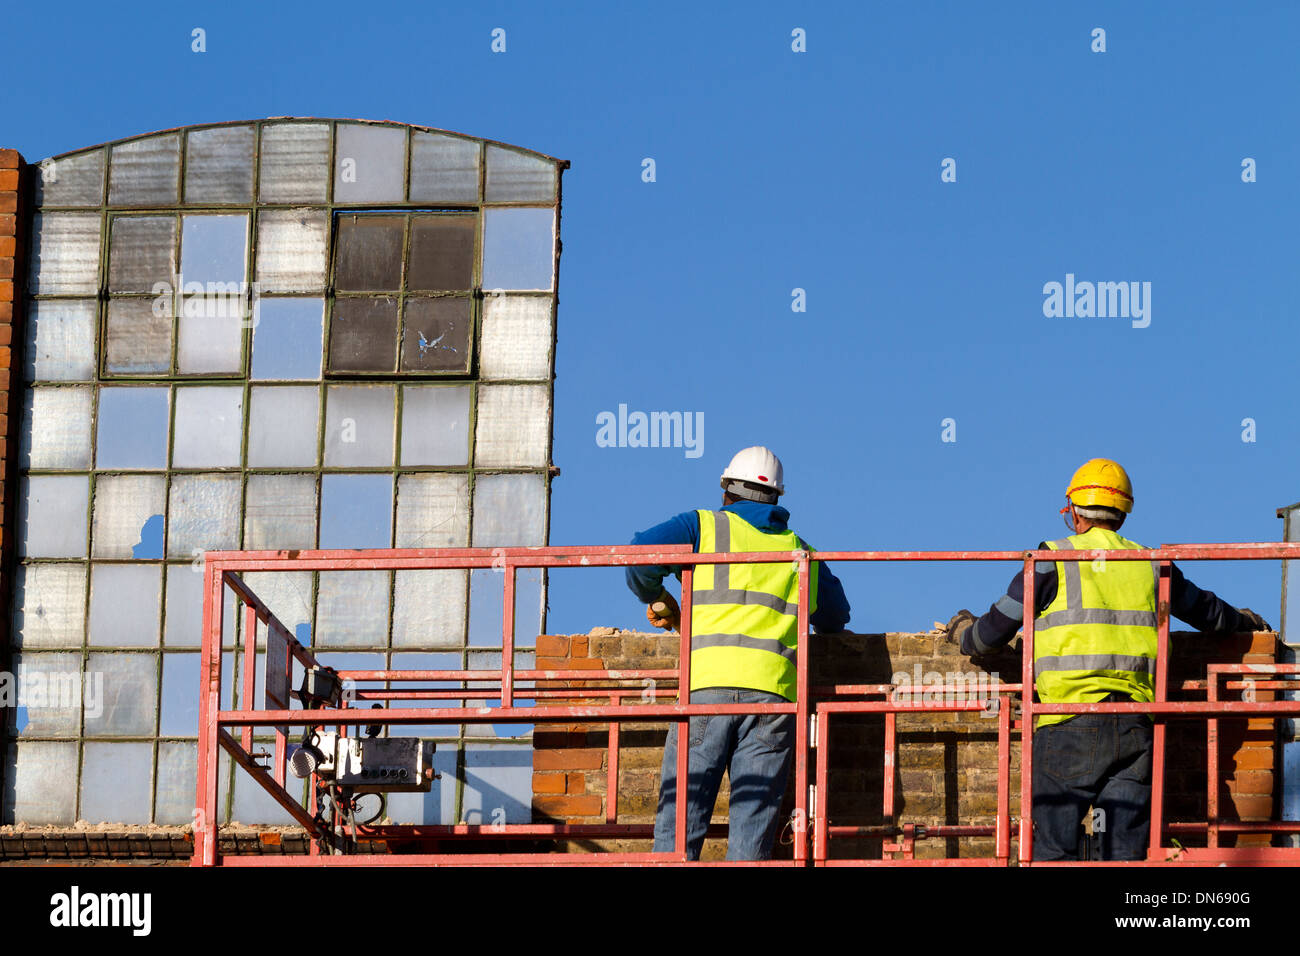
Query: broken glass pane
{"points": [[142, 254], [352, 609], [178, 768], [444, 169], [369, 163], [65, 253], [517, 337], [369, 253], [125, 604], [514, 424], [52, 516], [280, 512], [291, 250], [56, 428], [282, 426], [359, 425], [509, 511], [128, 516], [219, 165], [40, 772], [286, 593], [132, 430], [363, 335], [116, 783], [435, 425], [203, 514], [145, 172], [513, 176], [209, 426], [61, 340], [442, 253], [436, 335], [356, 511], [287, 338], [129, 706], [432, 511], [211, 335], [518, 248], [295, 162], [429, 610], [71, 180], [49, 605], [139, 335], [180, 696], [51, 689]]}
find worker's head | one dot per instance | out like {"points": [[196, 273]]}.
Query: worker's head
{"points": [[1100, 494], [755, 474]]}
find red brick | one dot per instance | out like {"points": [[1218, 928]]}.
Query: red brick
{"points": [[548, 783], [589, 759], [575, 783], [8, 179], [4, 356], [1252, 758], [552, 645], [1251, 782], [6, 267], [568, 806], [9, 159], [6, 290], [6, 313], [8, 245], [578, 646], [8, 202], [7, 225], [1253, 807], [6, 333]]}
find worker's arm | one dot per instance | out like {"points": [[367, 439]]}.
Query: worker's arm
{"points": [[832, 606], [996, 628], [647, 581], [1203, 610]]}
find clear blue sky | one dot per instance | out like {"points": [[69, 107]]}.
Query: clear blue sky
{"points": [[821, 170]]}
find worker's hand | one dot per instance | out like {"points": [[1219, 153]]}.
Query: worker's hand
{"points": [[663, 612], [1250, 621], [957, 626]]}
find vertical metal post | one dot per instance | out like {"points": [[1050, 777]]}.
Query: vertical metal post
{"points": [[1212, 762], [801, 808], [1002, 830], [205, 811], [611, 776], [821, 817], [246, 701], [891, 762], [1027, 717], [508, 638], [1158, 732], [683, 726]]}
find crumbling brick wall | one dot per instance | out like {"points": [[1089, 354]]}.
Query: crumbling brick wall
{"points": [[947, 762]]}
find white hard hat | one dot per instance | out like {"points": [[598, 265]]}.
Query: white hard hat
{"points": [[755, 466]]}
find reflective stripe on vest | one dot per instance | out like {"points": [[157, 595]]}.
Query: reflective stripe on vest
{"points": [[744, 617], [1098, 635]]}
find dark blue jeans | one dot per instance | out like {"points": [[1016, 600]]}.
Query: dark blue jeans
{"points": [[754, 749], [1097, 760]]}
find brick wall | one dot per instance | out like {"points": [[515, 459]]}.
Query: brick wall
{"points": [[947, 762]]}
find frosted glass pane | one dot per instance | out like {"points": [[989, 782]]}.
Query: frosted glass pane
{"points": [[213, 250], [352, 609], [130, 704], [435, 425], [518, 248], [71, 180], [444, 168], [517, 336], [514, 425], [211, 335], [184, 627], [282, 427], [291, 250], [432, 511], [139, 336], [132, 429], [429, 609], [436, 335], [125, 602], [65, 253], [41, 775], [254, 805], [369, 163], [426, 662], [178, 769], [513, 176], [49, 605], [219, 165], [356, 511], [486, 594], [180, 696], [359, 425], [438, 806], [52, 695], [129, 516], [280, 512], [295, 162], [56, 428], [61, 340], [145, 172], [142, 254], [52, 516], [287, 338], [116, 781], [209, 426], [204, 514], [509, 511], [498, 784], [288, 595]]}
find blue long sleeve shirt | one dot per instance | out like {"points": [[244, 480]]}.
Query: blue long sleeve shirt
{"points": [[646, 582]]}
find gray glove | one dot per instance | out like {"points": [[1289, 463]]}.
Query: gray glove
{"points": [[1250, 621], [958, 626]]}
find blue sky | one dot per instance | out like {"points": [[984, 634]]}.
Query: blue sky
{"points": [[820, 170]]}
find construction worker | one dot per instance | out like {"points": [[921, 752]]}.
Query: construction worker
{"points": [[1094, 640], [743, 639]]}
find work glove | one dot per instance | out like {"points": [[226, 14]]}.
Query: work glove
{"points": [[663, 612], [1250, 621], [957, 626]]}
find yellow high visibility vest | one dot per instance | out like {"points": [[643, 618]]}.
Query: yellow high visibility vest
{"points": [[1098, 636], [744, 617]]}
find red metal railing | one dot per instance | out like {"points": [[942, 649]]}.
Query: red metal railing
{"points": [[510, 684]]}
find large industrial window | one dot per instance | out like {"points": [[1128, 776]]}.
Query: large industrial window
{"points": [[282, 334]]}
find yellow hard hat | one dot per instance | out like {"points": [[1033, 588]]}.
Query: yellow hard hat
{"points": [[1101, 482]]}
